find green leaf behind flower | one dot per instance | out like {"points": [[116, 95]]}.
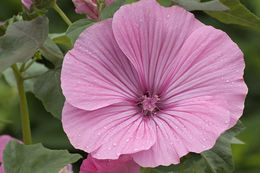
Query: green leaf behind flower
{"points": [[35, 158], [108, 11], [238, 14], [213, 5], [47, 89], [21, 41], [52, 52], [219, 158], [216, 160], [77, 28], [61, 39]]}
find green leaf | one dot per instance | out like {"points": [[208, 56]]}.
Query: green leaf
{"points": [[191, 163], [238, 14], [61, 39], [219, 158], [148, 170], [35, 158], [5, 24], [108, 11], [165, 3], [131, 1], [236, 141], [190, 5], [21, 41], [47, 89], [77, 28], [52, 52]]}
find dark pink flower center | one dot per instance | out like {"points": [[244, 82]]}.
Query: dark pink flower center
{"points": [[148, 104]]}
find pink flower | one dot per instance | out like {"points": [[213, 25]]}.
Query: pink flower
{"points": [[66, 169], [124, 164], [27, 3], [88, 7], [4, 139], [152, 82]]}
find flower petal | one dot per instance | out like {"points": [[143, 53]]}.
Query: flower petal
{"points": [[95, 72], [190, 126], [208, 64], [124, 164], [67, 169], [85, 7], [151, 37], [108, 132], [27, 3]]}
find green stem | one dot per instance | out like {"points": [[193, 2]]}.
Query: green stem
{"points": [[28, 65], [61, 13], [22, 67], [32, 76], [181, 167], [27, 139]]}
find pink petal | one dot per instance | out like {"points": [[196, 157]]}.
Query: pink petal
{"points": [[86, 7], [151, 36], [124, 164], [96, 73], [189, 126], [66, 169], [4, 139], [83, 7], [208, 64], [108, 132], [27, 3]]}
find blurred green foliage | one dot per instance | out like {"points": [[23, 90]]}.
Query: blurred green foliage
{"points": [[48, 130]]}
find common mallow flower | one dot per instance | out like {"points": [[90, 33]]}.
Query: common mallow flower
{"points": [[27, 3], [88, 7], [124, 164], [66, 169], [153, 83]]}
